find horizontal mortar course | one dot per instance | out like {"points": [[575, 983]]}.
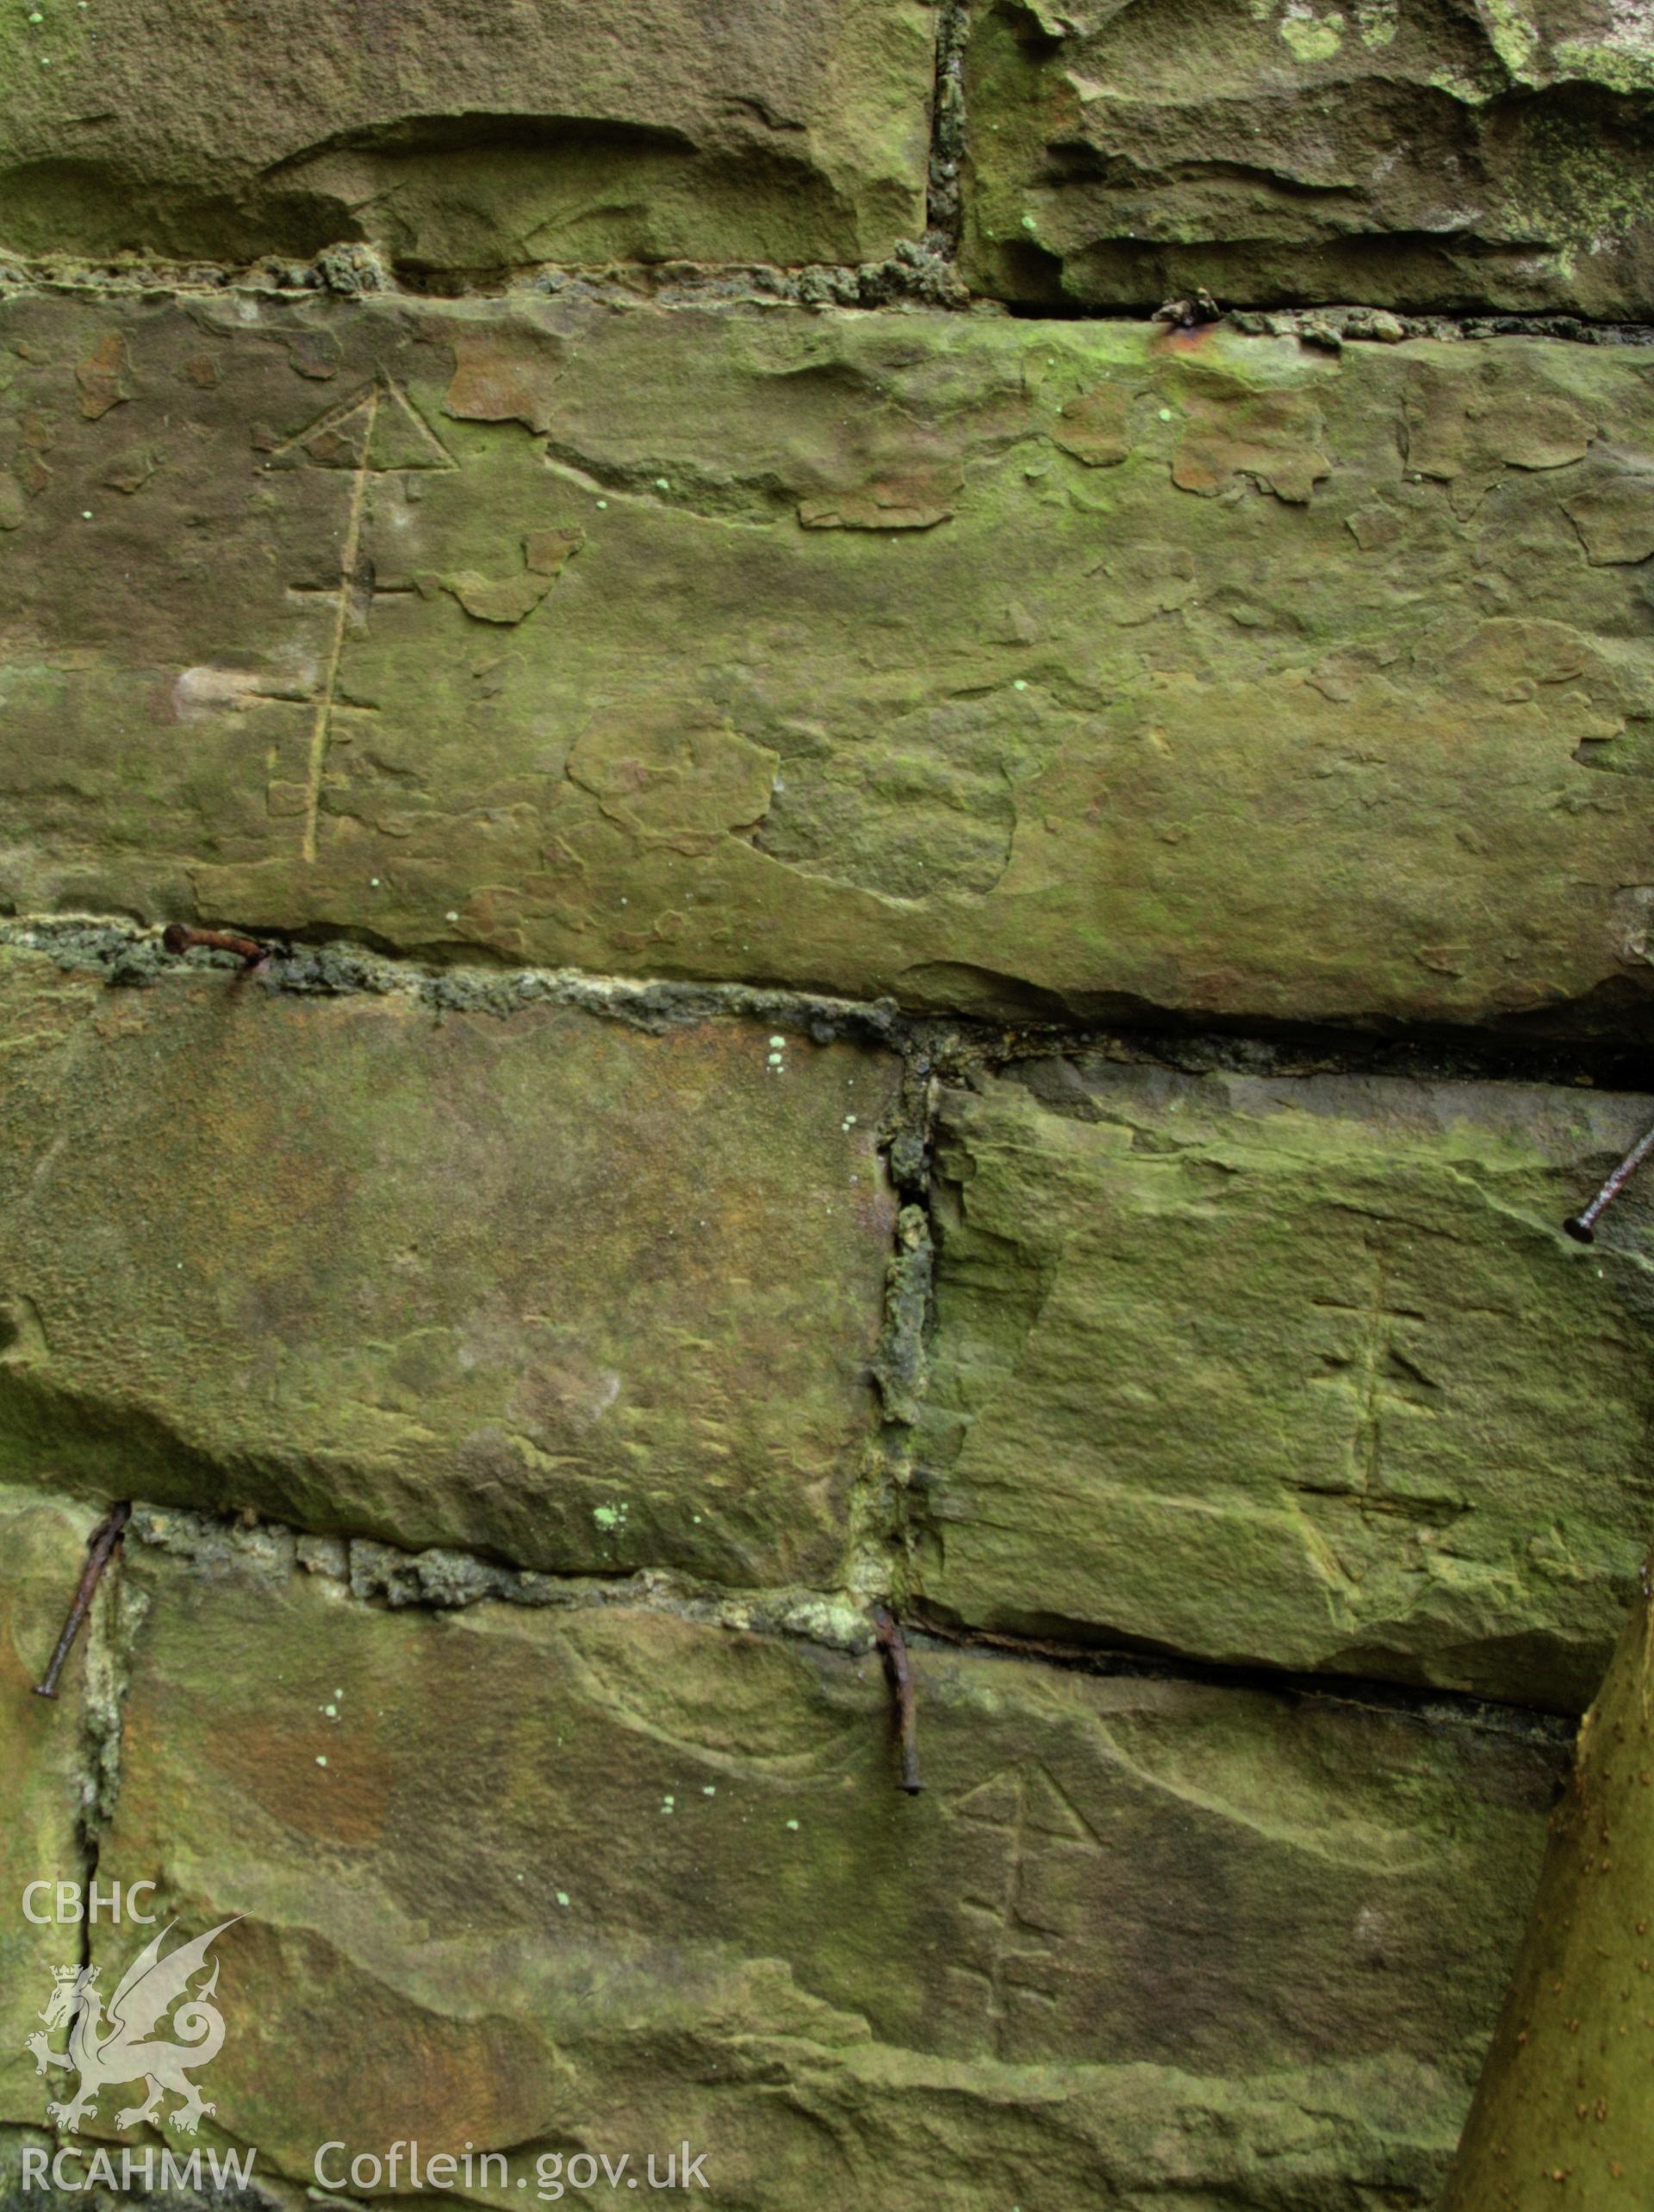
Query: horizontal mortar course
{"points": [[446, 1580]]}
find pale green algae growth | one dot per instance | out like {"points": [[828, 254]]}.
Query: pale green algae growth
{"points": [[1580, 190], [1377, 22], [1511, 35], [1627, 68], [1311, 37]]}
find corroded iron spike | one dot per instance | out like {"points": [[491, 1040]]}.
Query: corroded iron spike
{"points": [[106, 1536], [894, 1644], [179, 937]]}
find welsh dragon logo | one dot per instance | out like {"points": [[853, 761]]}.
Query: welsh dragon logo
{"points": [[122, 2048]]}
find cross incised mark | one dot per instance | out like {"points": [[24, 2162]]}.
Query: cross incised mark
{"points": [[1378, 1371]]}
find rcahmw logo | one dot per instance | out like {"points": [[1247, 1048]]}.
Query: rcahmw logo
{"points": [[104, 2049]]}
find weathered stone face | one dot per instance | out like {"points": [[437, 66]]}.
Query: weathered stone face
{"points": [[546, 1286], [1297, 1372], [1393, 152], [469, 137], [44, 1761], [1564, 2090], [989, 665], [794, 851], [1122, 1911]]}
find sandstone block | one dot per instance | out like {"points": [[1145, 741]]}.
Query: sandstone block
{"points": [[467, 138], [991, 665], [1297, 1372], [1392, 153], [543, 1286]]}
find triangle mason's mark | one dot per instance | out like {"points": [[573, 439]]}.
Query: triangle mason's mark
{"points": [[1027, 1800], [375, 429]]}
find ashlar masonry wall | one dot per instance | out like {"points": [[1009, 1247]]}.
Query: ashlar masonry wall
{"points": [[934, 942]]}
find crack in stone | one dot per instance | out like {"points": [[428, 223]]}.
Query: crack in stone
{"points": [[1429, 1707]]}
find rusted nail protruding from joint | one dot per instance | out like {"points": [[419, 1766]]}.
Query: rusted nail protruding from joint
{"points": [[106, 1536], [1583, 1226], [179, 937], [894, 1644]]}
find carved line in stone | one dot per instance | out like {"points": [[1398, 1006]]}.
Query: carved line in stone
{"points": [[367, 399], [1010, 1915], [369, 403], [323, 722], [1376, 1347]]}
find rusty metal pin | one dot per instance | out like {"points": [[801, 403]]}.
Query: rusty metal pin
{"points": [[893, 1644], [1581, 1227], [105, 1539], [179, 937]]}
